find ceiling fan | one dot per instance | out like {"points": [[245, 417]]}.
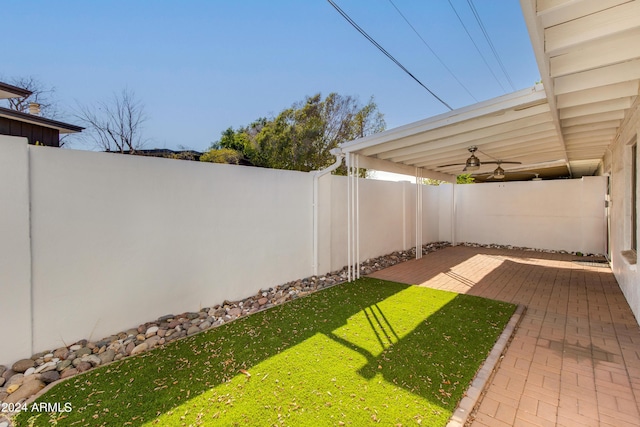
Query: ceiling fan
{"points": [[473, 163], [501, 176]]}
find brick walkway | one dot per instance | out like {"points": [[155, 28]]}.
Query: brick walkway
{"points": [[575, 358]]}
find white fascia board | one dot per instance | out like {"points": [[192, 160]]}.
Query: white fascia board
{"points": [[536, 35], [494, 105]]}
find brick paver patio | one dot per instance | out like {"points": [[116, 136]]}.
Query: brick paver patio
{"points": [[575, 357]]}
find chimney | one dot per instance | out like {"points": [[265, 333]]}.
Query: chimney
{"points": [[34, 108]]}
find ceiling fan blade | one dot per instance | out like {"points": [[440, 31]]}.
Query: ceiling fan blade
{"points": [[511, 163], [453, 164]]}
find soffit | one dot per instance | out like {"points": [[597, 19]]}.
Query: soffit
{"points": [[588, 52], [515, 127]]}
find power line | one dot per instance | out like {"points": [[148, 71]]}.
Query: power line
{"points": [[486, 36], [431, 50], [387, 54], [476, 46]]}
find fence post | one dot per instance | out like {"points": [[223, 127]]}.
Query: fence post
{"points": [[15, 250]]}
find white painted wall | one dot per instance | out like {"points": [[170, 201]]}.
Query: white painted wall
{"points": [[387, 218], [118, 240], [560, 214], [95, 243], [617, 163], [15, 258]]}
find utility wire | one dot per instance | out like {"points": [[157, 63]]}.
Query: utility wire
{"points": [[486, 36], [477, 48], [387, 54], [431, 50]]}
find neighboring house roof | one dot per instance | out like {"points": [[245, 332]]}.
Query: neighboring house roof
{"points": [[40, 121], [588, 53], [10, 91]]}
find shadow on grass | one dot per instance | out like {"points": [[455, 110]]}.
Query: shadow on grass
{"points": [[421, 343]]}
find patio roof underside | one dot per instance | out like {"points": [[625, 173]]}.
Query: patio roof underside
{"points": [[588, 54]]}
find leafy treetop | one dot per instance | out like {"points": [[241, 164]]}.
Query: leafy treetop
{"points": [[300, 137]]}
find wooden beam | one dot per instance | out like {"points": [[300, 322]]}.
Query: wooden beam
{"points": [[604, 76], [542, 148], [596, 108], [603, 117], [532, 96], [572, 9], [591, 127], [608, 51], [597, 94], [478, 124], [462, 141], [597, 25]]}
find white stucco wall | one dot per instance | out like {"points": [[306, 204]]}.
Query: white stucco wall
{"points": [[559, 215], [387, 218], [15, 258], [95, 243], [118, 240], [617, 162]]}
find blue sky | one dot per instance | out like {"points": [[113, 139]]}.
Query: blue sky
{"points": [[202, 66]]}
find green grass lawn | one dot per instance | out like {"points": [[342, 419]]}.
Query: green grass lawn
{"points": [[361, 353]]}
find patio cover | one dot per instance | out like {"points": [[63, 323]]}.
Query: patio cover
{"points": [[588, 55]]}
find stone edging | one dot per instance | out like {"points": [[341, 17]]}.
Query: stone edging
{"points": [[475, 391]]}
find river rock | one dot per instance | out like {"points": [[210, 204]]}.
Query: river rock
{"points": [[49, 366], [219, 312], [165, 318], [27, 390], [15, 379], [61, 353], [68, 373], [235, 312], [63, 364], [8, 374], [107, 356], [205, 325], [139, 348], [152, 341], [50, 376], [83, 351], [93, 359], [151, 331], [23, 364], [83, 366], [193, 329]]}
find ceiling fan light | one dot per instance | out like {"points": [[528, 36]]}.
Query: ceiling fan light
{"points": [[473, 163], [498, 173]]}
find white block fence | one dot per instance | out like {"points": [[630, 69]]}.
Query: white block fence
{"points": [[95, 243]]}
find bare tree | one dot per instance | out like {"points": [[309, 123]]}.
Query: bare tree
{"points": [[116, 124], [40, 94]]}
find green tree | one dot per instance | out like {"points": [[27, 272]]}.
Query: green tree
{"points": [[301, 137], [464, 178]]}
